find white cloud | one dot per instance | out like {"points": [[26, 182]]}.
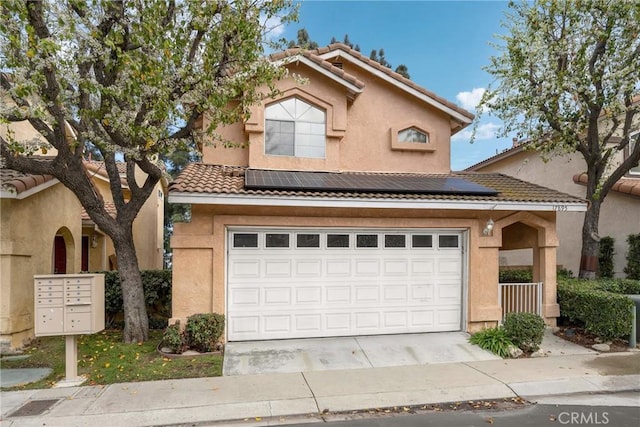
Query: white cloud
{"points": [[469, 100], [274, 27], [485, 131]]}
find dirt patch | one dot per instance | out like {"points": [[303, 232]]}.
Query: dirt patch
{"points": [[578, 335]]}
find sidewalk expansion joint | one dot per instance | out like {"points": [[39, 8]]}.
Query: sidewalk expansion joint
{"points": [[492, 377], [315, 399], [363, 352]]}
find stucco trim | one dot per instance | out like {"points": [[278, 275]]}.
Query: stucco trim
{"points": [[327, 73], [339, 202]]}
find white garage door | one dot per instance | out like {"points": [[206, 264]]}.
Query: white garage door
{"points": [[324, 283]]}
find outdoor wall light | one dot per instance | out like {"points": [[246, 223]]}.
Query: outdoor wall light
{"points": [[94, 241], [488, 229]]}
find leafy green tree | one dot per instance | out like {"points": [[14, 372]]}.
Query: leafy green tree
{"points": [[303, 40], [568, 79], [403, 70], [132, 79]]}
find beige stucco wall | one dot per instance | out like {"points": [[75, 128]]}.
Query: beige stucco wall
{"points": [[148, 227], [27, 231], [380, 111], [199, 248], [619, 215]]}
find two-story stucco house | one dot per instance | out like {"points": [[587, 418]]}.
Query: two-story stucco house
{"points": [[338, 213]]}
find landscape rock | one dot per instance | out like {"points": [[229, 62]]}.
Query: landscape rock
{"points": [[514, 352], [166, 350], [539, 353], [601, 347]]}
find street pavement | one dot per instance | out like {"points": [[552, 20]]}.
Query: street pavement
{"points": [[276, 398]]}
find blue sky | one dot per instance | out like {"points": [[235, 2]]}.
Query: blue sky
{"points": [[444, 44]]}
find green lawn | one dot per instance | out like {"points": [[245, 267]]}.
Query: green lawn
{"points": [[104, 359]]}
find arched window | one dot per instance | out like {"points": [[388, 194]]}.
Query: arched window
{"points": [[294, 128], [413, 135]]}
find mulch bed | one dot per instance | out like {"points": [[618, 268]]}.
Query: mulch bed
{"points": [[578, 335]]}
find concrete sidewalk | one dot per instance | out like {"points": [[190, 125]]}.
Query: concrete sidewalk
{"points": [[285, 395]]}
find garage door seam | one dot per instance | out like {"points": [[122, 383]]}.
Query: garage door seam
{"points": [[315, 399]]}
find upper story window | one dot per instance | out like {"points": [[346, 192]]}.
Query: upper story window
{"points": [[294, 128], [413, 135]]}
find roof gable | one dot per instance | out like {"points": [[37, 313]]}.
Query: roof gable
{"points": [[321, 60]]}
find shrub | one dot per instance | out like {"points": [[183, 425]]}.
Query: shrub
{"points": [[516, 276], [174, 338], [564, 273], [204, 330], [619, 286], [632, 270], [493, 339], [605, 256], [525, 330], [604, 313]]}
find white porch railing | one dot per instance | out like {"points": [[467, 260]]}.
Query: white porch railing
{"points": [[520, 297]]}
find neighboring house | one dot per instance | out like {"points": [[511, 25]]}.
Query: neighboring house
{"points": [[45, 230], [619, 215], [337, 213]]}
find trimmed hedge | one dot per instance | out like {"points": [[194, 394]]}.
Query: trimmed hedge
{"points": [[632, 269], [157, 295], [604, 312], [605, 256]]}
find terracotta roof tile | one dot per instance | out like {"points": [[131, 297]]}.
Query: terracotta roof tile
{"points": [[110, 207], [629, 186], [215, 179], [17, 182]]}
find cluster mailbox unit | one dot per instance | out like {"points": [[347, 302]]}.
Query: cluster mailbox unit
{"points": [[70, 305]]}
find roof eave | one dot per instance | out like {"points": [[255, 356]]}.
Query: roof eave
{"points": [[349, 202]]}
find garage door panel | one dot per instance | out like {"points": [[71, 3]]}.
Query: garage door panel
{"points": [[309, 295], [338, 294], [247, 268], [423, 266], [367, 294], [338, 267], [366, 320], [277, 296], [245, 297], [277, 268], [277, 323], [396, 267], [309, 268], [395, 293], [367, 267], [276, 293]]}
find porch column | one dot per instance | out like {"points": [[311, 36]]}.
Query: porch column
{"points": [[547, 271]]}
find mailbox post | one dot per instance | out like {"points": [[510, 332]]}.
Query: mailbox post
{"points": [[69, 305]]}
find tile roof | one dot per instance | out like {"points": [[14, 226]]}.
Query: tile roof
{"points": [[624, 185], [110, 207], [315, 55], [17, 182], [200, 178]]}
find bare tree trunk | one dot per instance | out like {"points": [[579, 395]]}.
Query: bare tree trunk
{"points": [[590, 241], [136, 322]]}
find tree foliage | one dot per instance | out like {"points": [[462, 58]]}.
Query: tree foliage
{"points": [[568, 80], [129, 79]]}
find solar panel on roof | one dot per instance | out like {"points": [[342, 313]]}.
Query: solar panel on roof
{"points": [[327, 181]]}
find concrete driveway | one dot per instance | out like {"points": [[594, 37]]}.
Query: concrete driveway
{"points": [[320, 354]]}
